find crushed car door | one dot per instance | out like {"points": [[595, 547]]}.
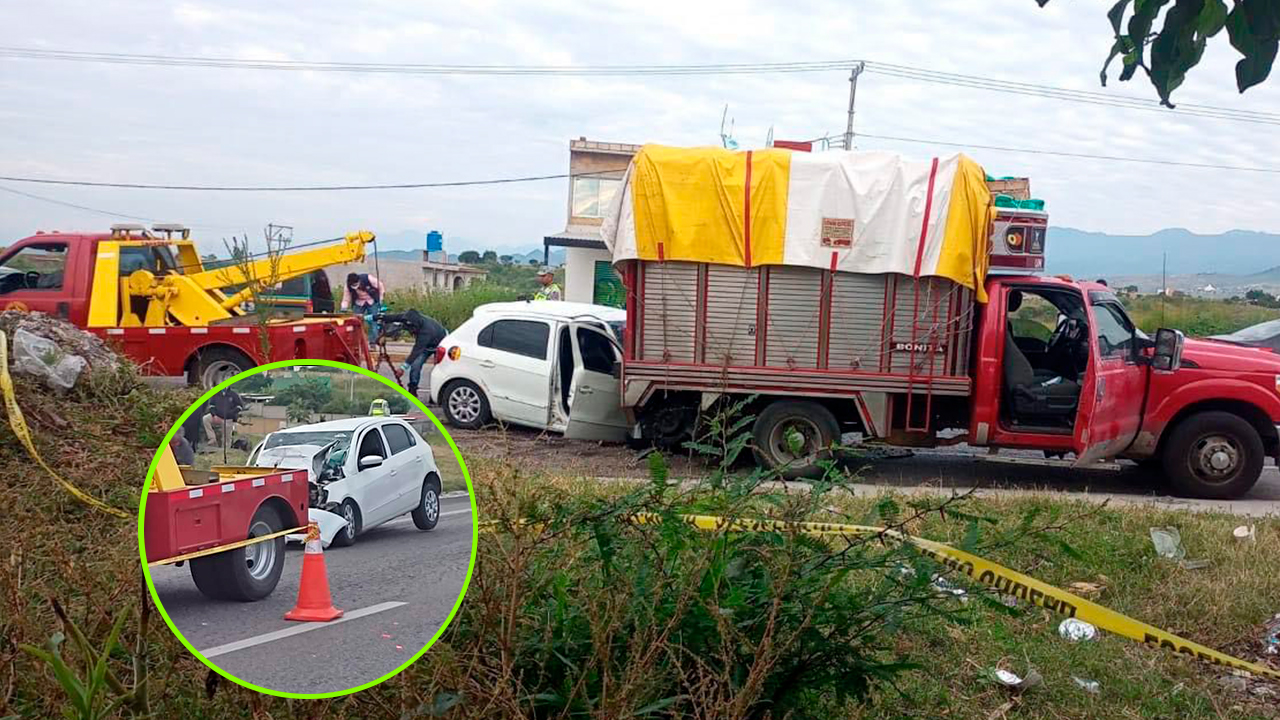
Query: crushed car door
{"points": [[1111, 396], [595, 399]]}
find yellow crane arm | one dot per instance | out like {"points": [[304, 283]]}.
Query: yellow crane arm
{"points": [[258, 274]]}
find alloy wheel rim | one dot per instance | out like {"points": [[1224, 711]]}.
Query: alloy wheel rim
{"points": [[464, 404]]}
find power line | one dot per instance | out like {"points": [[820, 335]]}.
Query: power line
{"points": [[1079, 96], [99, 211], [905, 72], [306, 188], [421, 68], [1087, 156]]}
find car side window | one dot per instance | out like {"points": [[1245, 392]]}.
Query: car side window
{"points": [[521, 337], [398, 437], [371, 444], [597, 351]]}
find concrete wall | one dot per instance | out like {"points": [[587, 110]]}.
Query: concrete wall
{"points": [[579, 272]]}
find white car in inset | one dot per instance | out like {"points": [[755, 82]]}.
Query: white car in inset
{"points": [[392, 472], [542, 364]]}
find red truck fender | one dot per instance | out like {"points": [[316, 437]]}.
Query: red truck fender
{"points": [[1246, 399]]}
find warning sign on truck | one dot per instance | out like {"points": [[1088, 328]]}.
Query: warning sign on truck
{"points": [[837, 232]]}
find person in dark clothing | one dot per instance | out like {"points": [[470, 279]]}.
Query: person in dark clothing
{"points": [[224, 410], [183, 452], [321, 293], [193, 426], [427, 334]]}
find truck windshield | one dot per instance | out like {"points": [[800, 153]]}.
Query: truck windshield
{"points": [[280, 439]]}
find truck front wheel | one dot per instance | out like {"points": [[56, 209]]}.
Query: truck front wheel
{"points": [[793, 436], [1214, 455], [248, 573]]}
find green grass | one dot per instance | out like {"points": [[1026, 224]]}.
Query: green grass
{"points": [[451, 309], [1197, 317]]}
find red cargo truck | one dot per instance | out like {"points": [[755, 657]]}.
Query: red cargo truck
{"points": [[914, 359]]}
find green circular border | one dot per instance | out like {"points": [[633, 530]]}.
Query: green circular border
{"points": [[142, 507]]}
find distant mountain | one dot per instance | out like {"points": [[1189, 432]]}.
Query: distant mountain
{"points": [[409, 244], [1237, 252]]}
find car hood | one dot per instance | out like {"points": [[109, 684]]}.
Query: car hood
{"points": [[311, 457], [1220, 355]]}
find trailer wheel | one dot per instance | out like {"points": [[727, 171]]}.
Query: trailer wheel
{"points": [[1216, 455], [787, 423], [213, 365], [465, 405], [427, 514], [350, 512], [248, 573]]}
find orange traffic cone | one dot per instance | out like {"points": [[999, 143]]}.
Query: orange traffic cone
{"points": [[314, 602]]}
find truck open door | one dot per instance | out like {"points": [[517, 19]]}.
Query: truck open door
{"points": [[1114, 386], [595, 400]]}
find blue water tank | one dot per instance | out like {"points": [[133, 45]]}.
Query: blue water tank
{"points": [[435, 241]]}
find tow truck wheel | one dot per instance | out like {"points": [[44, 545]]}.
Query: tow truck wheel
{"points": [[465, 405], [248, 573], [351, 513], [216, 364], [427, 514], [1215, 455], [792, 436]]}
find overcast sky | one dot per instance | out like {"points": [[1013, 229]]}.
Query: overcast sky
{"points": [[234, 126]]}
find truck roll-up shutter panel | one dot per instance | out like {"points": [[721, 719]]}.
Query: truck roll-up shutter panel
{"points": [[731, 315], [670, 311]]}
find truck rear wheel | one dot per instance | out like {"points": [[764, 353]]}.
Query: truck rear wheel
{"points": [[1215, 455], [213, 365], [793, 436], [248, 573]]}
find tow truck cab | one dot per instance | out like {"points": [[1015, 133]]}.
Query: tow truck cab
{"points": [[1060, 367]]}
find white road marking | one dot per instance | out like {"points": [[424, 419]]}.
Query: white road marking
{"points": [[298, 630], [406, 518]]}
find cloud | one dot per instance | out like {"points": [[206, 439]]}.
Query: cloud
{"points": [[205, 125]]}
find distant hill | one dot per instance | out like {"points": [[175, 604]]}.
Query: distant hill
{"points": [[1238, 252]]}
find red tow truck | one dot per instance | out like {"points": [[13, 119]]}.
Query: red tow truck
{"points": [[1047, 363], [205, 518], [149, 294]]}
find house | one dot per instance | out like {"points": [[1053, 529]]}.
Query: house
{"points": [[444, 276], [595, 176]]}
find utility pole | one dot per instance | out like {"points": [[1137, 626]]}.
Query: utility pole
{"points": [[1164, 284], [853, 93]]}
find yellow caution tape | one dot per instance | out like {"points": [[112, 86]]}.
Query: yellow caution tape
{"points": [[225, 548], [981, 570], [19, 425]]}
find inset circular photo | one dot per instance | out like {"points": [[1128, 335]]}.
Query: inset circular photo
{"points": [[308, 530]]}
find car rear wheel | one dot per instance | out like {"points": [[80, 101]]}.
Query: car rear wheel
{"points": [[427, 514], [793, 436], [465, 405], [248, 573], [1216, 455], [350, 512]]}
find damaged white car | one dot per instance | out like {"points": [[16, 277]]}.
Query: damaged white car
{"points": [[392, 472]]}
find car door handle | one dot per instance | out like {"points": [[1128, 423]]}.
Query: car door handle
{"points": [[486, 364]]}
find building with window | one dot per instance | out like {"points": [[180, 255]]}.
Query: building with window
{"points": [[444, 276], [595, 177]]}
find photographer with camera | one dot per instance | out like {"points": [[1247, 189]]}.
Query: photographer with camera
{"points": [[427, 334]]}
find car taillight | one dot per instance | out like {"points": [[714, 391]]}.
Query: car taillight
{"points": [[455, 352], [439, 355]]}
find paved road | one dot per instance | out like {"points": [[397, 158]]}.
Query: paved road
{"points": [[405, 580], [1016, 473]]}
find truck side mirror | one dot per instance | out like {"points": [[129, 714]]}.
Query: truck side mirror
{"points": [[1168, 352]]}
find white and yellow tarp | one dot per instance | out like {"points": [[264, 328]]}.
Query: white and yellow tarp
{"points": [[866, 212]]}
